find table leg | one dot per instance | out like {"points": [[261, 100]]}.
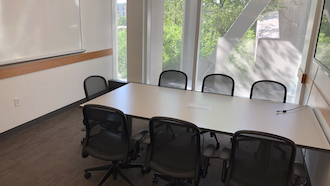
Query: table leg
{"points": [[129, 124]]}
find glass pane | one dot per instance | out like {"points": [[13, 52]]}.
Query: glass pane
{"points": [[172, 34], [267, 44], [122, 39], [322, 52]]}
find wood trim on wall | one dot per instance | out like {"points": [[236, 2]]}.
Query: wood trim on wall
{"points": [[25, 68], [318, 97]]}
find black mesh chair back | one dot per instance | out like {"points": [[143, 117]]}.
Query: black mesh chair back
{"points": [[256, 161], [173, 79], [102, 139], [218, 84], [174, 148], [95, 86], [268, 90]]}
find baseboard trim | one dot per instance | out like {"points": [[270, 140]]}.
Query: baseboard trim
{"points": [[31, 123]]}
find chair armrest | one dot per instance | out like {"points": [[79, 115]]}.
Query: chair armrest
{"points": [[140, 135], [299, 170], [225, 156], [209, 150], [146, 140], [225, 153], [207, 153]]}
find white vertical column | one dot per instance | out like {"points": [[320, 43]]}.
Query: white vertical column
{"points": [[317, 162], [114, 40], [309, 45], [135, 41], [156, 18], [188, 38]]}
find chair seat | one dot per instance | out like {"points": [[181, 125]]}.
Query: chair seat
{"points": [[174, 163], [255, 176], [110, 151], [176, 169]]}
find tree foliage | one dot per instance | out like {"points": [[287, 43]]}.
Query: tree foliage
{"points": [[122, 47], [172, 47], [323, 42], [122, 21], [217, 18], [122, 52], [172, 34]]}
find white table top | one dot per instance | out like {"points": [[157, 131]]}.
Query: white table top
{"points": [[219, 113]]}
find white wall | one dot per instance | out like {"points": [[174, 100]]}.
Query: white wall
{"points": [[48, 90], [318, 163]]}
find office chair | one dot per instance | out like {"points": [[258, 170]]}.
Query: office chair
{"points": [[218, 84], [268, 90], [271, 91], [265, 166], [103, 143], [95, 86], [177, 157], [173, 79]]}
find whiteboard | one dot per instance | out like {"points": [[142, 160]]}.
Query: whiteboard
{"points": [[32, 29]]}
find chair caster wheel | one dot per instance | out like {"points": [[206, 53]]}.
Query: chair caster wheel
{"points": [[155, 180], [87, 175], [145, 171], [84, 155]]}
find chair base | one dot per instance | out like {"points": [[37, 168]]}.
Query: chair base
{"points": [[171, 181], [114, 169]]}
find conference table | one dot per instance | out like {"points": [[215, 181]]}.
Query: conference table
{"points": [[219, 113]]}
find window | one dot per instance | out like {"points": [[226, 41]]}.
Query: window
{"points": [[172, 34], [121, 40], [248, 40], [172, 38], [267, 44]]}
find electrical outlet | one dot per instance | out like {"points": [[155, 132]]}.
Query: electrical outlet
{"points": [[16, 102]]}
